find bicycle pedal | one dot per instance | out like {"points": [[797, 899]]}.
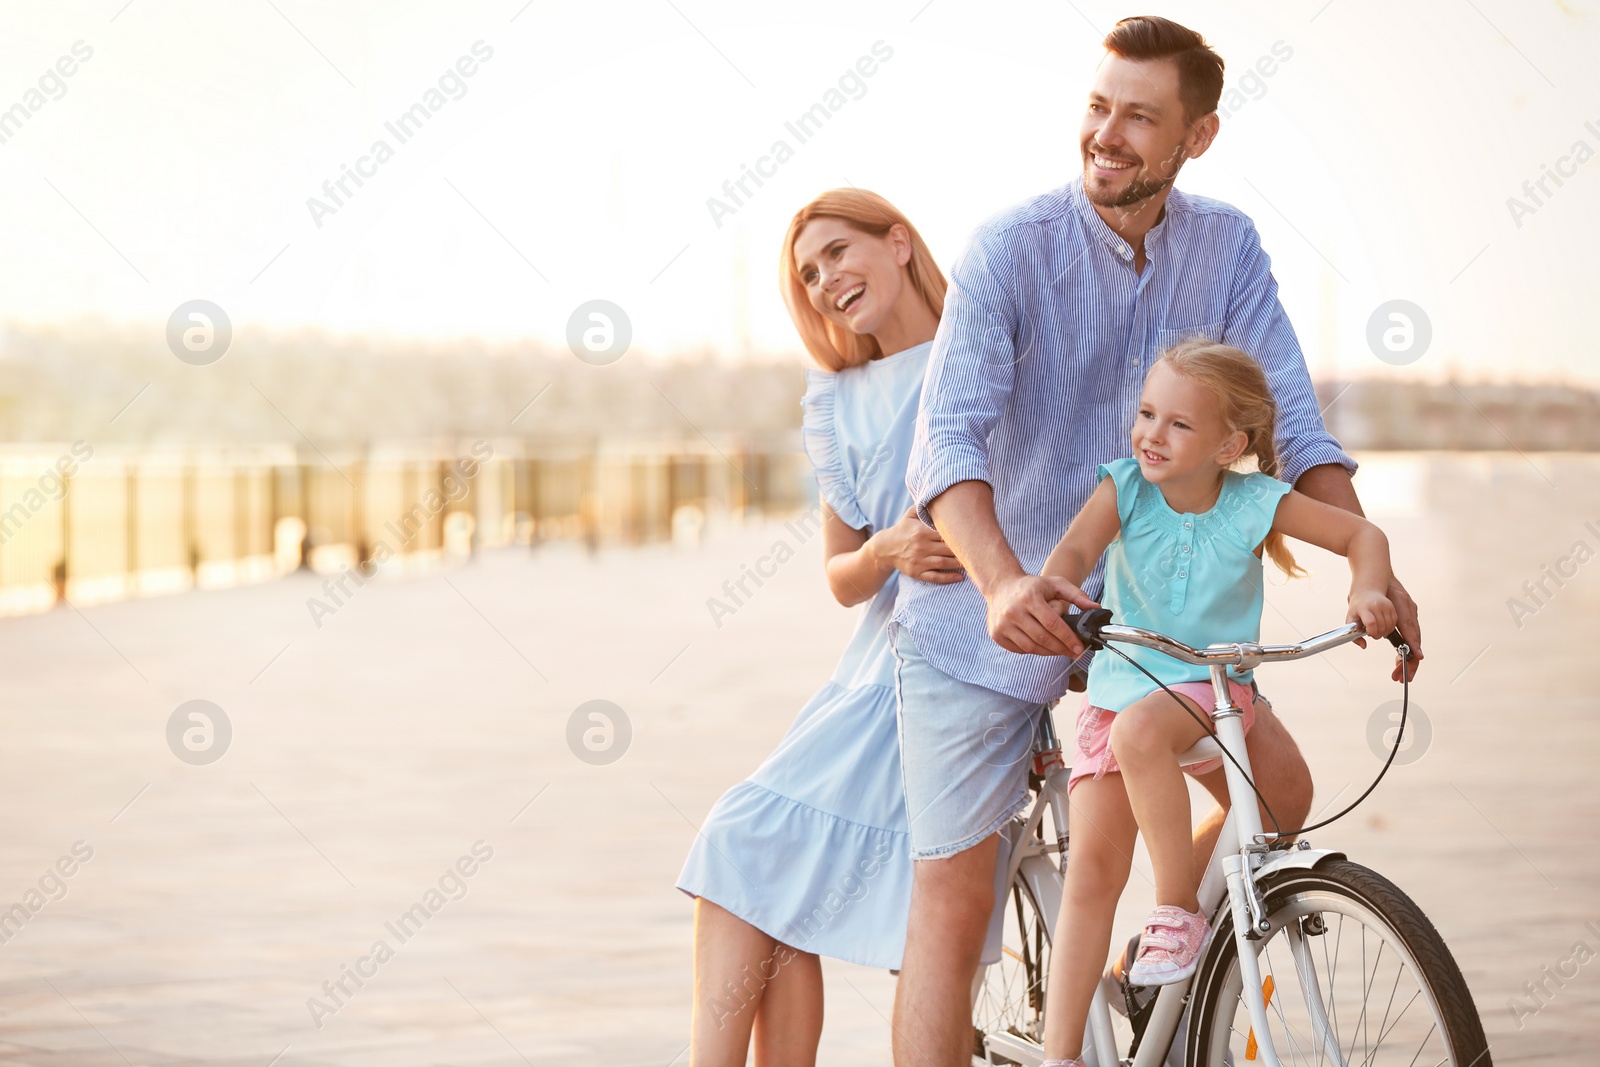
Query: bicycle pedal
{"points": [[1141, 1000], [1129, 1000]]}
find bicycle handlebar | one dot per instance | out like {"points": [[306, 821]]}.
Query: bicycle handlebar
{"points": [[1095, 628]]}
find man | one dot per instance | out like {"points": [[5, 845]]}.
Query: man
{"points": [[1056, 310]]}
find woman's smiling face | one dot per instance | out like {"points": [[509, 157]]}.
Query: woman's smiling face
{"points": [[851, 277]]}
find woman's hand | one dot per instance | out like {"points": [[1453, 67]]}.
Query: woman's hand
{"points": [[1374, 611], [915, 550]]}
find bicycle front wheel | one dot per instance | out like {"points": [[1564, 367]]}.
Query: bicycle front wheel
{"points": [[1354, 973]]}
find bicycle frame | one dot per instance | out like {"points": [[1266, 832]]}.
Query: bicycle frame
{"points": [[1239, 860]]}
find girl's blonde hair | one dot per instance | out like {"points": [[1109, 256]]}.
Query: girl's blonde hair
{"points": [[1247, 406], [831, 345]]}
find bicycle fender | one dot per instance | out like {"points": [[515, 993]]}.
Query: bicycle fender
{"points": [[1302, 858]]}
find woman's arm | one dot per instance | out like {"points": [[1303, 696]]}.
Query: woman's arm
{"points": [[1359, 541], [858, 563], [1085, 541]]}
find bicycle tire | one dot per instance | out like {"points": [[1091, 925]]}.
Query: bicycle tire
{"points": [[1299, 903], [1011, 992]]}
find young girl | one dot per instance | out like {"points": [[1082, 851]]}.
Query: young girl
{"points": [[1185, 533]]}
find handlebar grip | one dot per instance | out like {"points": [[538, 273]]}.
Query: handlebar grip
{"points": [[1087, 626]]}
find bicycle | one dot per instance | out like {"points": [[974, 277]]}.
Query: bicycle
{"points": [[1312, 959]]}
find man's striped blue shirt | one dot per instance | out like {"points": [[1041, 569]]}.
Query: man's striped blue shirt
{"points": [[1035, 375]]}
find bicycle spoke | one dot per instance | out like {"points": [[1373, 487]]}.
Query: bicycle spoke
{"points": [[1403, 1010], [1361, 1019], [1366, 1023], [1277, 1002], [1360, 1029], [1333, 971], [1383, 1029], [1333, 975], [1010, 997], [1424, 1045]]}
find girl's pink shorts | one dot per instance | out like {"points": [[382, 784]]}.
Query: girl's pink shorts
{"points": [[1096, 760]]}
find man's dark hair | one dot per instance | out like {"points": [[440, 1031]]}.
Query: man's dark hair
{"points": [[1199, 68]]}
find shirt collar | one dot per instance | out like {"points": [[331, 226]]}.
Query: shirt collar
{"points": [[1176, 203]]}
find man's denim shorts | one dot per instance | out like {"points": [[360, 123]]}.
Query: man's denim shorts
{"points": [[964, 751]]}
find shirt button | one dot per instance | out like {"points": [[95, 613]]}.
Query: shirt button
{"points": [[1186, 548], [1183, 574], [1187, 525]]}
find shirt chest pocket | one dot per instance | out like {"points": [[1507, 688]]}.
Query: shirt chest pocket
{"points": [[1210, 331]]}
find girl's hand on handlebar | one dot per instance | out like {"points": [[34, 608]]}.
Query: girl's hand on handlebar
{"points": [[911, 547], [1374, 611]]}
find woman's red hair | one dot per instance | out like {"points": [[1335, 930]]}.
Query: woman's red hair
{"points": [[831, 345]]}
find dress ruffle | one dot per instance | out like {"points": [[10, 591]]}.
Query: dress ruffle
{"points": [[807, 878], [820, 437]]}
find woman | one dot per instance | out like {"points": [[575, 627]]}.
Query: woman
{"points": [[809, 854]]}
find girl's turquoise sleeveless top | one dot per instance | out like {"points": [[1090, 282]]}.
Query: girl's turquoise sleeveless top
{"points": [[1193, 577]]}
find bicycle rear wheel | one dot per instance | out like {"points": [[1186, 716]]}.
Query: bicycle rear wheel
{"points": [[1355, 972], [1010, 998]]}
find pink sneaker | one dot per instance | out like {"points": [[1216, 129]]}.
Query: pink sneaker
{"points": [[1169, 950]]}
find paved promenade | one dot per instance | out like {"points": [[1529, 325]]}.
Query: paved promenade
{"points": [[400, 859]]}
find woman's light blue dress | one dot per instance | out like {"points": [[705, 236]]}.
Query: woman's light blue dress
{"points": [[813, 848]]}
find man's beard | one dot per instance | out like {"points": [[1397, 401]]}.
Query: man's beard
{"points": [[1136, 191]]}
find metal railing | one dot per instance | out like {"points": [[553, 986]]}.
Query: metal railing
{"points": [[90, 525]]}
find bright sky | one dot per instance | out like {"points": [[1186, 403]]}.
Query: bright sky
{"points": [[176, 161]]}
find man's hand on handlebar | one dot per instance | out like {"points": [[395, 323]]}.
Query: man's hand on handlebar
{"points": [[1410, 628], [1025, 615], [1401, 615]]}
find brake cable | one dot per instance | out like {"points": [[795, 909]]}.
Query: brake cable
{"points": [[1094, 640]]}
